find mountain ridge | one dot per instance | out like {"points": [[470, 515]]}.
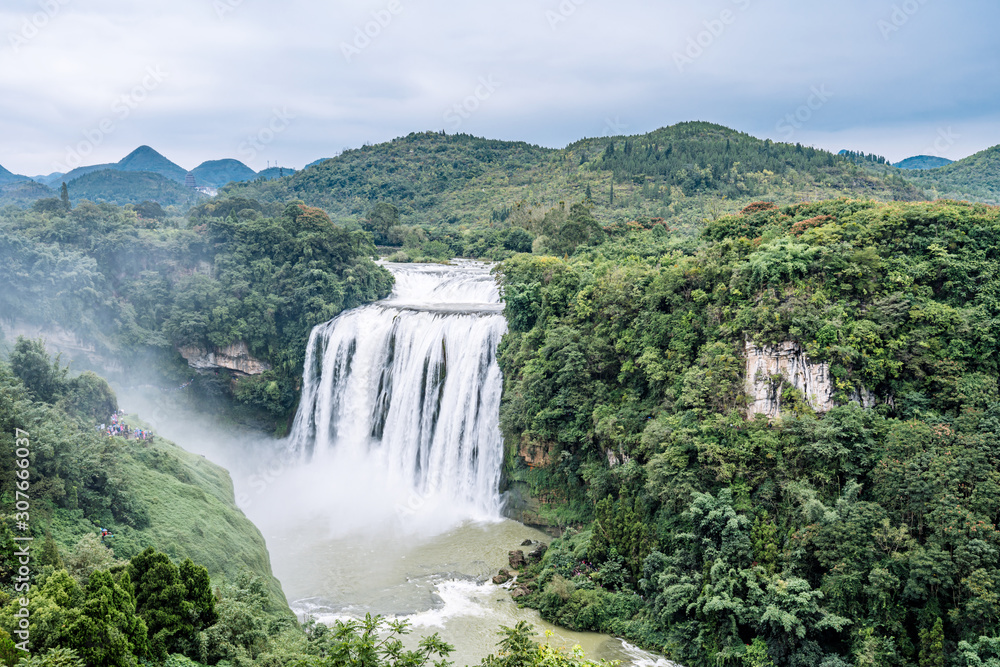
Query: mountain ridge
{"points": [[689, 170]]}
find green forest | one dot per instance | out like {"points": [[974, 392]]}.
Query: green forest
{"points": [[118, 601], [851, 537], [138, 284], [856, 530]]}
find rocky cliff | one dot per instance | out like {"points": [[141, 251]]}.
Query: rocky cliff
{"points": [[769, 368], [235, 357]]}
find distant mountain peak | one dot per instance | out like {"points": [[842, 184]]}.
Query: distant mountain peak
{"points": [[923, 162], [145, 158], [216, 173]]}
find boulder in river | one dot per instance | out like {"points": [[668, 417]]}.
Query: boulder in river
{"points": [[502, 578], [519, 592], [527, 543], [516, 559], [536, 555]]}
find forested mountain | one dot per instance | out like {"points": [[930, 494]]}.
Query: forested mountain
{"points": [[272, 173], [686, 172], [976, 178], [216, 173], [132, 187], [8, 177], [23, 193], [923, 162], [856, 521], [145, 158]]}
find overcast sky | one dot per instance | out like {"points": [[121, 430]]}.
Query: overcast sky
{"points": [[87, 81]]}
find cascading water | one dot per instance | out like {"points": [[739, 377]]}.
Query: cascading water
{"points": [[410, 387], [388, 503]]}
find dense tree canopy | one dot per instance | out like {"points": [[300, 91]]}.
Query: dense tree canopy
{"points": [[862, 534]]}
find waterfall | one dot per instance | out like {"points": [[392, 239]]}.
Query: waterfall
{"points": [[406, 391]]}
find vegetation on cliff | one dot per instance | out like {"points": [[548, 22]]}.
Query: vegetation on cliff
{"points": [[146, 493], [136, 284], [865, 535]]}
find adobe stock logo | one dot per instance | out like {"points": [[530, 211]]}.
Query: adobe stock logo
{"points": [[32, 25], [900, 16], [698, 44], [463, 110], [255, 144]]}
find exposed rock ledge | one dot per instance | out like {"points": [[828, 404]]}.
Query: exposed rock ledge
{"points": [[235, 357], [768, 366]]}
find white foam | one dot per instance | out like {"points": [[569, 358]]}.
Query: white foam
{"points": [[641, 658], [460, 598]]}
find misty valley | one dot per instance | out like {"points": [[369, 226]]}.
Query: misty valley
{"points": [[682, 398]]}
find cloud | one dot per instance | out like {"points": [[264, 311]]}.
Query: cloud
{"points": [[369, 71]]}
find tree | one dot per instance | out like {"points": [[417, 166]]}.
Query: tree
{"points": [[108, 631], [162, 600], [374, 642], [88, 556], [43, 377], [89, 395], [381, 219], [64, 198], [241, 631], [932, 645], [54, 657]]}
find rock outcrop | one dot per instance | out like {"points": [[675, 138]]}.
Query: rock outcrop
{"points": [[235, 357], [516, 559], [536, 555], [536, 454], [769, 368]]}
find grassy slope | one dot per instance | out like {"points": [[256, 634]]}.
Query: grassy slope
{"points": [[192, 512]]}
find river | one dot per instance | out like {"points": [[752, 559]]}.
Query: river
{"points": [[384, 499]]}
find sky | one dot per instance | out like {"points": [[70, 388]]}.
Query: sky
{"points": [[286, 83]]}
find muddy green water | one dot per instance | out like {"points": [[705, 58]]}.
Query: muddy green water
{"points": [[439, 583], [341, 548]]}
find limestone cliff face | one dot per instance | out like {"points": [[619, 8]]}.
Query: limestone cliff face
{"points": [[235, 357], [769, 367], [83, 353]]}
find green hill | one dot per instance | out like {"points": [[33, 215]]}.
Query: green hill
{"points": [[923, 162], [8, 177], [272, 173], [976, 178], [23, 193], [131, 187], [216, 173], [145, 158], [74, 174], [147, 493], [687, 171]]}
